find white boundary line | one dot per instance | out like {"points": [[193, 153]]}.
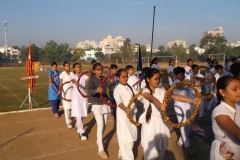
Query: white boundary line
{"points": [[31, 110]]}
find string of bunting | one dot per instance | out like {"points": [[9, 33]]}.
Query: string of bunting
{"points": [[101, 85], [168, 93], [69, 100], [79, 90], [52, 78], [195, 71]]}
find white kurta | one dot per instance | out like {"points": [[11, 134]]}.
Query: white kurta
{"points": [[132, 80], [126, 131], [188, 72], [79, 103], [66, 89], [183, 112], [220, 133], [170, 69], [154, 133], [155, 66]]}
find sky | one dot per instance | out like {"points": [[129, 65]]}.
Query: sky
{"points": [[72, 21]]}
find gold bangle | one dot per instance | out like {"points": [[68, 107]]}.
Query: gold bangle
{"points": [[167, 96], [195, 71]]}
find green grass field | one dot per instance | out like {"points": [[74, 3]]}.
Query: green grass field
{"points": [[13, 90]]}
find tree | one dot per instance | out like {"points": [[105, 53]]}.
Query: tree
{"points": [[192, 53], [78, 54], [51, 52], [161, 48], [100, 56], [126, 51], [63, 52], [213, 44], [179, 51]]}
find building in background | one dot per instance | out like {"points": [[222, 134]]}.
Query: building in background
{"points": [[87, 44], [108, 50], [89, 55], [199, 50], [237, 44], [178, 43], [109, 41], [216, 32], [13, 53]]}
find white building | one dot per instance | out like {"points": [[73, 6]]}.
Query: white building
{"points": [[89, 55], [199, 50], [217, 32], [107, 50], [87, 44], [109, 41], [178, 43], [237, 44], [11, 51]]}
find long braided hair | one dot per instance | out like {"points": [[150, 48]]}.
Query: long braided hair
{"points": [[151, 72]]}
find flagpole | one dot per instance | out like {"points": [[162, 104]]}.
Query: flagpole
{"points": [[152, 31]]}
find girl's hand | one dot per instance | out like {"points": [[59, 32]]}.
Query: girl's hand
{"points": [[163, 107], [193, 80], [99, 90], [127, 110], [197, 101], [76, 83], [59, 92], [224, 151]]}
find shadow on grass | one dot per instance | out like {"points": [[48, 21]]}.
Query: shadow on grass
{"points": [[16, 137]]}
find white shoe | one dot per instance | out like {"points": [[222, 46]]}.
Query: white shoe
{"points": [[70, 120], [69, 126], [82, 137]]}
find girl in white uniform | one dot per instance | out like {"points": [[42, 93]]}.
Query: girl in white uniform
{"points": [[99, 109], [79, 103], [66, 92], [183, 111], [155, 132], [154, 64], [213, 64], [219, 73], [126, 131], [188, 69], [226, 120], [208, 65], [170, 71]]}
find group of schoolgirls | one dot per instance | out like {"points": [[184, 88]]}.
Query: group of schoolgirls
{"points": [[153, 139]]}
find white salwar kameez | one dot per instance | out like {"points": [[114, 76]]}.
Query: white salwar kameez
{"points": [[183, 112], [79, 103], [126, 131], [66, 93], [154, 133], [221, 135], [170, 69]]}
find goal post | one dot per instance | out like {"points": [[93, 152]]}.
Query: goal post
{"points": [[219, 57], [147, 61]]}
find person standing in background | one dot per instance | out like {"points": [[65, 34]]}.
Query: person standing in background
{"points": [[53, 96]]}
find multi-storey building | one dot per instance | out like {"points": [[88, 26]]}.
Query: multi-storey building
{"points": [[87, 44], [178, 43], [217, 32], [109, 41]]}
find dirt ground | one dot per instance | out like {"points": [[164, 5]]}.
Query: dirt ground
{"points": [[37, 134]]}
